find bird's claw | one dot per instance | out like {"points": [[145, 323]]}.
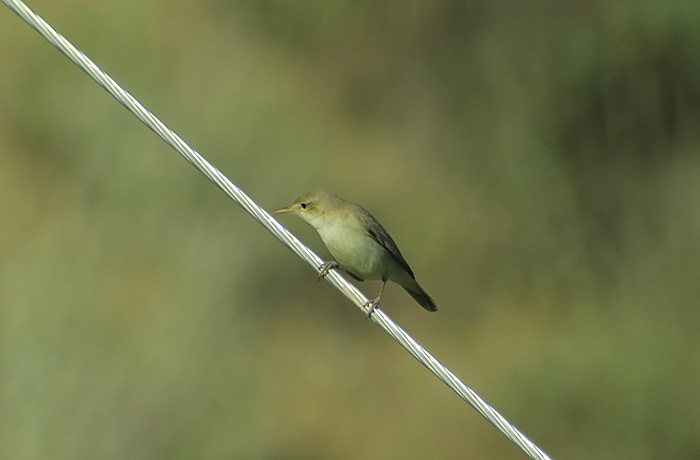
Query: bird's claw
{"points": [[371, 306], [325, 268]]}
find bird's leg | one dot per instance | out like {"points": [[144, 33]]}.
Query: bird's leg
{"points": [[375, 303], [326, 267]]}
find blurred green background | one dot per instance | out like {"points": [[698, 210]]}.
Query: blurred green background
{"points": [[537, 162]]}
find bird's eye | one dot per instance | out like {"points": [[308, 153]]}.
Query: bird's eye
{"points": [[303, 206]]}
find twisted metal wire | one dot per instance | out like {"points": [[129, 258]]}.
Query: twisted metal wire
{"points": [[289, 240]]}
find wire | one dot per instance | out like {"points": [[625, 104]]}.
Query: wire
{"points": [[289, 240]]}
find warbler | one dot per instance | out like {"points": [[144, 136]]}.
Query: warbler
{"points": [[361, 246]]}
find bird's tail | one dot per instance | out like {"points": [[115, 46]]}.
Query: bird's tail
{"points": [[421, 297]]}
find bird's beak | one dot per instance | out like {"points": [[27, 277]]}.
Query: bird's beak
{"points": [[286, 210]]}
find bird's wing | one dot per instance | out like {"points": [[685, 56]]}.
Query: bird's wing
{"points": [[375, 230]]}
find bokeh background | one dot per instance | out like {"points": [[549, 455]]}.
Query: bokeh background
{"points": [[537, 162]]}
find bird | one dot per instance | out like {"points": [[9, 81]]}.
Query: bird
{"points": [[361, 246]]}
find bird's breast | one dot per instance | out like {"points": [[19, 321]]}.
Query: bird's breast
{"points": [[355, 250]]}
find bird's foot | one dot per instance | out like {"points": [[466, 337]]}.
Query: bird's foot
{"points": [[371, 306], [325, 268]]}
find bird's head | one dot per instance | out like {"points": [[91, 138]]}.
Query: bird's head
{"points": [[311, 205]]}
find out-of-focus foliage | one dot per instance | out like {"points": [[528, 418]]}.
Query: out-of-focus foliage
{"points": [[537, 162]]}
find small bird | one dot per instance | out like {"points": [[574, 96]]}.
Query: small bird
{"points": [[361, 246]]}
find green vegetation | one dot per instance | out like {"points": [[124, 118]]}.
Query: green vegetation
{"points": [[537, 162]]}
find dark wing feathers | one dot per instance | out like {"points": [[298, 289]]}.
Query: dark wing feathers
{"points": [[380, 235]]}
